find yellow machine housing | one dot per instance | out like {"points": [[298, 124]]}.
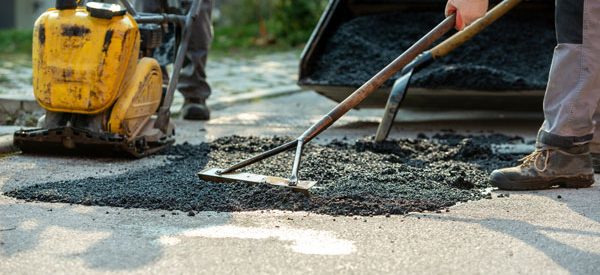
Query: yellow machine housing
{"points": [[87, 65], [81, 64], [101, 92], [139, 100]]}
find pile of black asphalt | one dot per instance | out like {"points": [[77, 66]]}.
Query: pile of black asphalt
{"points": [[355, 178], [514, 53]]}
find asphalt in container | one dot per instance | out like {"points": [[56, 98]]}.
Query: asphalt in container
{"points": [[360, 178], [515, 53]]}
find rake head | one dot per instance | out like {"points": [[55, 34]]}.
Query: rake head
{"points": [[213, 175]]}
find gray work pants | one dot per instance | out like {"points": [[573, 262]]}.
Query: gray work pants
{"points": [[571, 104], [192, 82]]}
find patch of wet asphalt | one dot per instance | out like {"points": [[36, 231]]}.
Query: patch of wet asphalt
{"points": [[514, 53], [360, 178]]}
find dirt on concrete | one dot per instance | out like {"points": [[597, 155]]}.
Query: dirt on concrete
{"points": [[360, 178], [515, 53]]}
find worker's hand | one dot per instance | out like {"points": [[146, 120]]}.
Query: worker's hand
{"points": [[467, 11]]}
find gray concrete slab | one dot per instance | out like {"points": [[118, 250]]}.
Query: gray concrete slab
{"points": [[528, 232]]}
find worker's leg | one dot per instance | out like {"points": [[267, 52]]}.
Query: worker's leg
{"points": [[570, 103], [574, 88], [193, 84]]}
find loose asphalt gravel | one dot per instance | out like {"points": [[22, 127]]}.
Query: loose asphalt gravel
{"points": [[360, 178], [515, 53]]}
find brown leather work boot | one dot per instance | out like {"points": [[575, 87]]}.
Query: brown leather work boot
{"points": [[195, 110], [547, 168]]}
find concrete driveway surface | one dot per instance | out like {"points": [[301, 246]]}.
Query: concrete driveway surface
{"points": [[545, 232]]}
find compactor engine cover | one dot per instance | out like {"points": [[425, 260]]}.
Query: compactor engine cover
{"points": [[81, 63], [99, 94]]}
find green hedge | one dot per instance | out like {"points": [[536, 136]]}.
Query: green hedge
{"points": [[294, 20], [15, 41], [287, 23]]}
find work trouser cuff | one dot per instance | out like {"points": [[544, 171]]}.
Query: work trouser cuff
{"points": [[552, 140]]}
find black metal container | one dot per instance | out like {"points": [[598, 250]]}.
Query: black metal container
{"points": [[339, 12]]}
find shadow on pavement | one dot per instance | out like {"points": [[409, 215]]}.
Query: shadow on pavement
{"points": [[573, 259], [104, 239], [585, 202]]}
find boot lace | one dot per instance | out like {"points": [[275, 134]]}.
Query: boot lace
{"points": [[532, 160]]}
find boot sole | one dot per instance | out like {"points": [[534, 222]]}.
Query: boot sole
{"points": [[565, 182], [596, 162]]}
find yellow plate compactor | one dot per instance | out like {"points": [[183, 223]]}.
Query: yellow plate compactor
{"points": [[94, 74]]}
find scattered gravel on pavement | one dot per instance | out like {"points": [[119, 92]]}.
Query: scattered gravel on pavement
{"points": [[363, 178]]}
